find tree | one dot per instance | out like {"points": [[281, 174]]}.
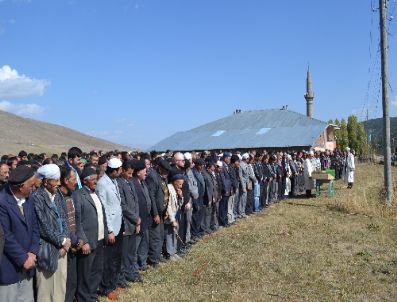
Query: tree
{"points": [[352, 132], [342, 136], [330, 122]]}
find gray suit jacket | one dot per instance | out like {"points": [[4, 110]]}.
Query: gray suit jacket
{"points": [[109, 194], [244, 175], [129, 205], [86, 210]]}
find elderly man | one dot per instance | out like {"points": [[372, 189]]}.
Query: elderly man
{"points": [[108, 192], [94, 235], [184, 163], [308, 169], [350, 168], [18, 220], [198, 203], [4, 174], [54, 234]]}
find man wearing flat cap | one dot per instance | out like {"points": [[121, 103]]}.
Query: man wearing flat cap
{"points": [[132, 224], [93, 231], [227, 189], [18, 220], [198, 203], [54, 236], [156, 181], [145, 207], [108, 191]]}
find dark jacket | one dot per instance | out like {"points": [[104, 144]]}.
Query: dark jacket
{"points": [[145, 204], [234, 172], [219, 188], [210, 193], [227, 180], [201, 187], [129, 205], [52, 220], [153, 182], [21, 236], [85, 209], [1, 241]]}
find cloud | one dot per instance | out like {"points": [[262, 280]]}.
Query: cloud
{"points": [[394, 103], [27, 110], [14, 85]]}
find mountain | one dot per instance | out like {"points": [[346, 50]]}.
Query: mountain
{"points": [[375, 129], [18, 133]]}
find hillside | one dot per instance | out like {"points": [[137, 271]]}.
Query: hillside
{"points": [[375, 128], [17, 133]]}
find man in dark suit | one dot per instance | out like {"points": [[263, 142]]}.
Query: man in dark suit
{"points": [[156, 231], [227, 189], [209, 196], [94, 232], [145, 205], [198, 203], [18, 220], [132, 225]]}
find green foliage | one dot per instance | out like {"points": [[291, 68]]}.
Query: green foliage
{"points": [[351, 134], [342, 136]]}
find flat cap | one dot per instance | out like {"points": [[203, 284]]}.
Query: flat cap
{"points": [[87, 172], [138, 165], [20, 175], [164, 164], [199, 162]]}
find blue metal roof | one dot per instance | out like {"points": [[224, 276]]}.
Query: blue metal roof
{"points": [[272, 128]]}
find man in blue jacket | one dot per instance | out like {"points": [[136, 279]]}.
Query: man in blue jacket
{"points": [[18, 220]]}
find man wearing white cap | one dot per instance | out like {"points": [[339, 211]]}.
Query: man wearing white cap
{"points": [[308, 170], [350, 167], [108, 192], [54, 236]]}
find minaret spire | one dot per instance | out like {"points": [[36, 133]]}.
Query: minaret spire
{"points": [[309, 96]]}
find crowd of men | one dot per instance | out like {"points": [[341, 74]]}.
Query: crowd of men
{"points": [[80, 225]]}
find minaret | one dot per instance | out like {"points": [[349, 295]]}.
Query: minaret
{"points": [[309, 96]]}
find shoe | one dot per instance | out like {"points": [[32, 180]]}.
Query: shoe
{"points": [[113, 295]]}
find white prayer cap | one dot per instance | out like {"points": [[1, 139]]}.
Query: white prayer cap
{"points": [[114, 163], [50, 171], [311, 152], [245, 156], [347, 149], [188, 156], [239, 156], [219, 163]]}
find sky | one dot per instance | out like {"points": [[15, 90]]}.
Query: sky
{"points": [[137, 71]]}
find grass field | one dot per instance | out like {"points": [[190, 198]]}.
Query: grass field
{"points": [[339, 249]]}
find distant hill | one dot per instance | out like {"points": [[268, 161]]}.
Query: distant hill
{"points": [[18, 133], [375, 128]]}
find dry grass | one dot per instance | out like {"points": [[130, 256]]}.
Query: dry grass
{"points": [[339, 249]]}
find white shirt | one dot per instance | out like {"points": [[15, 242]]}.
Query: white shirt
{"points": [[98, 206]]}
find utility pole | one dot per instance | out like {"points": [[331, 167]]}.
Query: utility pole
{"points": [[385, 102]]}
